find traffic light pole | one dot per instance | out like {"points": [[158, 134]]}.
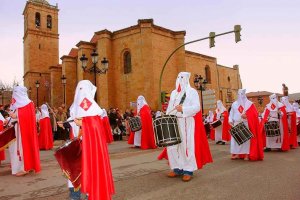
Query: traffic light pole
{"points": [[162, 71]]}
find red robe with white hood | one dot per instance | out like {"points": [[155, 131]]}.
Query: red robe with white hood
{"points": [[146, 134], [24, 151], [45, 136], [96, 177], [271, 114], [193, 152], [222, 132], [254, 146], [292, 121]]}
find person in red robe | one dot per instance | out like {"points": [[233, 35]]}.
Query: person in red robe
{"points": [[147, 140], [2, 153], [244, 111], [96, 176], [275, 111], [24, 151], [221, 133], [45, 136], [292, 122], [193, 152]]}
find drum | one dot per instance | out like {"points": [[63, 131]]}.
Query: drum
{"points": [[68, 157], [216, 123], [298, 128], [166, 131], [135, 124], [6, 137], [272, 129], [241, 133]]}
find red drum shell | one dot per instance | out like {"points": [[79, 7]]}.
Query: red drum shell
{"points": [[6, 137]]}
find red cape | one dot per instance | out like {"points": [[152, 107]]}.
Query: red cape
{"points": [[226, 127], [256, 142], [30, 143], [96, 179], [2, 153], [45, 136], [108, 133], [147, 134], [202, 151], [293, 132], [285, 140]]}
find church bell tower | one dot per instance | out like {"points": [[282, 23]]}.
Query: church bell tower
{"points": [[41, 50]]}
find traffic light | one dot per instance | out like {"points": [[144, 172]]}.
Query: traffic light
{"points": [[212, 39], [237, 33]]}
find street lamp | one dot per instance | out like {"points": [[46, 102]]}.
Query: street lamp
{"points": [[94, 69], [2, 94], [64, 81], [37, 85], [200, 83]]}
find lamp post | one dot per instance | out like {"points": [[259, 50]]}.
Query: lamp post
{"points": [[200, 83], [37, 85], [64, 81], [94, 69], [2, 94]]}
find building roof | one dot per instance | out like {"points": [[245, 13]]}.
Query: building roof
{"points": [[40, 1], [198, 54], [261, 93], [295, 96], [73, 53]]}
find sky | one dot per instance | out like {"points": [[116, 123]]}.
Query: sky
{"points": [[268, 55]]}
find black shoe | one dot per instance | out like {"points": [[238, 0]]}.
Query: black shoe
{"points": [[223, 143], [267, 149], [219, 142]]}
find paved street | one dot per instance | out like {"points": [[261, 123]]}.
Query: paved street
{"points": [[139, 175]]}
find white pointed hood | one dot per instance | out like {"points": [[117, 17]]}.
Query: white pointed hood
{"points": [[220, 107], [84, 103], [141, 101], [274, 104], [182, 82], [44, 111], [288, 106], [19, 97], [296, 109]]}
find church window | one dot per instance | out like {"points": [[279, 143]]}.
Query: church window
{"points": [[207, 74], [49, 21], [37, 19], [127, 62]]}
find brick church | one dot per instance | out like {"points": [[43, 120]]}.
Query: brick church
{"points": [[136, 55]]}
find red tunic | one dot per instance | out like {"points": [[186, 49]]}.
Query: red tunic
{"points": [[108, 133], [45, 136], [30, 143], [96, 179], [147, 134], [256, 142]]}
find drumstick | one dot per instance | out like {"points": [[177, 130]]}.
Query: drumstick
{"points": [[50, 109]]}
